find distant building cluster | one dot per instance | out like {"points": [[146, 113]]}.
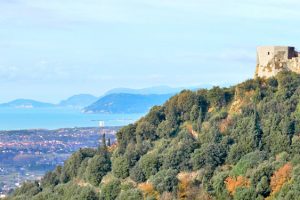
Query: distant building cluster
{"points": [[28, 154]]}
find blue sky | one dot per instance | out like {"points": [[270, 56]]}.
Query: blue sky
{"points": [[50, 50]]}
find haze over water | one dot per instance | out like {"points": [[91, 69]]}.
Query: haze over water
{"points": [[54, 118]]}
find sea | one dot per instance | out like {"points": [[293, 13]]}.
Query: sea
{"points": [[54, 118]]}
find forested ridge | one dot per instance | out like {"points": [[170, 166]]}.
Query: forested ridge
{"points": [[241, 142]]}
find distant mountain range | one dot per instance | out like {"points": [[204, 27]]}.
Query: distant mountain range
{"points": [[26, 103], [149, 90], [119, 100], [126, 103], [78, 101]]}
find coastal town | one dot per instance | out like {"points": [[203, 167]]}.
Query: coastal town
{"points": [[28, 154]]}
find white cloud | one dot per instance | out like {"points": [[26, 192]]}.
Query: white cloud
{"points": [[61, 13], [89, 43]]}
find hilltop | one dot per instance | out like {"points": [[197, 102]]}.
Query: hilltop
{"points": [[78, 101], [26, 103], [145, 91], [240, 143], [126, 103]]}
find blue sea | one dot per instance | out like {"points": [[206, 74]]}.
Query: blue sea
{"points": [[53, 118]]}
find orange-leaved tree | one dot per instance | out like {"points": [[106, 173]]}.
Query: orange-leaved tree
{"points": [[232, 183], [280, 177], [148, 190]]}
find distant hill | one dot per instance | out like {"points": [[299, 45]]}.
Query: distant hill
{"points": [[78, 101], [26, 103], [126, 103], [150, 90]]}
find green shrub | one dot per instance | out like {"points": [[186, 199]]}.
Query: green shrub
{"points": [[111, 190], [97, 168], [120, 167], [165, 180]]}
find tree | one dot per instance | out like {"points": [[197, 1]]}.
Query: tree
{"points": [[232, 183], [102, 147], [219, 187], [137, 174], [216, 97], [288, 127], [111, 190], [50, 179], [195, 113], [131, 154], [257, 132], [263, 187], [280, 177], [120, 167], [72, 165], [295, 145], [132, 194], [125, 136], [178, 153], [149, 164], [155, 115], [103, 143], [247, 162], [165, 180], [166, 129], [97, 168], [87, 193], [28, 189], [146, 130], [245, 193], [209, 155]]}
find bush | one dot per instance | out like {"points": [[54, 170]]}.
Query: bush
{"points": [[50, 179], [165, 180], [133, 194], [209, 155], [97, 168], [248, 161], [111, 190], [72, 165], [149, 164], [28, 189], [120, 167], [87, 193], [177, 155], [244, 193], [137, 174]]}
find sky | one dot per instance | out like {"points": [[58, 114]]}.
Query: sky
{"points": [[50, 50]]}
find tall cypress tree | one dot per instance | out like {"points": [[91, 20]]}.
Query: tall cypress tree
{"points": [[257, 132], [102, 146], [103, 143]]}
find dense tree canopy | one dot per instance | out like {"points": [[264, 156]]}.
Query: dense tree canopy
{"points": [[240, 142]]}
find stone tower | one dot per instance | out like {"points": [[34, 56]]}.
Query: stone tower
{"points": [[273, 59]]}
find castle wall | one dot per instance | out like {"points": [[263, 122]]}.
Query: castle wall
{"points": [[273, 59], [265, 55]]}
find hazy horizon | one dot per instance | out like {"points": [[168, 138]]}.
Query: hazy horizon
{"points": [[109, 91], [50, 50]]}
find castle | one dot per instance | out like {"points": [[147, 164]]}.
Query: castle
{"points": [[273, 59]]}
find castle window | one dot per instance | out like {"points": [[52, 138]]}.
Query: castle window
{"points": [[268, 53]]}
